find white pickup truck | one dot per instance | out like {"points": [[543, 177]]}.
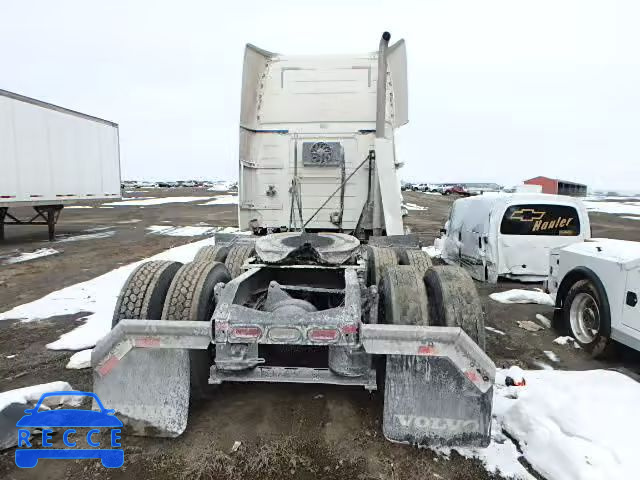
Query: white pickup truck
{"points": [[597, 283]]}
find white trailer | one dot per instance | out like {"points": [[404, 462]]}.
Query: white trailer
{"points": [[510, 235], [51, 157], [597, 283]]}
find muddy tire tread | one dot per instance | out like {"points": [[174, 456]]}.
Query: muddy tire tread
{"points": [[142, 296], [379, 259], [416, 258], [212, 253], [236, 258], [454, 301]]}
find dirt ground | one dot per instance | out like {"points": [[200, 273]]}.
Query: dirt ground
{"points": [[287, 431]]}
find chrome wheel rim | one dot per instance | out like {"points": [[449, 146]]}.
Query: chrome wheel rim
{"points": [[584, 316]]}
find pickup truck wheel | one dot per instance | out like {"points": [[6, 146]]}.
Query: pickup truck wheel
{"points": [[143, 294], [454, 301], [586, 318]]}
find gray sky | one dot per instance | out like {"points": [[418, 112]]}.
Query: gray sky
{"points": [[498, 90]]}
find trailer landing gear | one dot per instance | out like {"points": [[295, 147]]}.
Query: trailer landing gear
{"points": [[47, 213]]}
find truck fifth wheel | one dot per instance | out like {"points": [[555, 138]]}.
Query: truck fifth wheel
{"points": [[326, 273]]}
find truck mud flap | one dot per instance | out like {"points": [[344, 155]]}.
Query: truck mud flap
{"points": [[141, 370], [428, 401], [438, 385]]}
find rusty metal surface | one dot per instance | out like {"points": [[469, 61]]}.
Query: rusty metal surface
{"points": [[322, 248]]}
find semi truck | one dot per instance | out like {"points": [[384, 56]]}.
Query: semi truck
{"points": [[51, 157], [327, 272]]}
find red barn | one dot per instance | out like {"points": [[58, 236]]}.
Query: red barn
{"points": [[558, 187]]}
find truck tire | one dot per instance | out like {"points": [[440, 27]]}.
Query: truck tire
{"points": [[403, 297], [586, 317], [416, 258], [191, 298], [402, 300], [143, 294], [378, 259], [212, 253], [454, 301], [236, 258]]}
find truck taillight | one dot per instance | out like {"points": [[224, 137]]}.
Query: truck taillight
{"points": [[246, 332], [324, 334], [350, 329]]}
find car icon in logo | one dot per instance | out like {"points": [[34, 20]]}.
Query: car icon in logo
{"points": [[68, 420]]}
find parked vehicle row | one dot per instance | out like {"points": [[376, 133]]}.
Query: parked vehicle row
{"points": [[183, 183], [433, 188]]}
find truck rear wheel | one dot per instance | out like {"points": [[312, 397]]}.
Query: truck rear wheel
{"points": [[191, 298], [212, 253], [403, 297], [416, 258], [587, 319], [143, 294], [236, 258], [454, 301], [378, 259]]}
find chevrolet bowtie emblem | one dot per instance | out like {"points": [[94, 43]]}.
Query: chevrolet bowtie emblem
{"points": [[527, 215]]}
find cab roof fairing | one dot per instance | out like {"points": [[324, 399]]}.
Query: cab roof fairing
{"points": [[257, 62]]}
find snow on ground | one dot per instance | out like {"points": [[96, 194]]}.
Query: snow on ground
{"points": [[189, 231], [98, 296], [77, 206], [542, 365], [89, 236], [630, 218], [413, 206], [543, 320], [150, 201], [494, 330], [434, 251], [624, 207], [24, 257], [551, 355], [81, 359], [568, 425], [574, 425], [566, 341], [604, 197], [33, 393], [518, 295], [222, 200]]}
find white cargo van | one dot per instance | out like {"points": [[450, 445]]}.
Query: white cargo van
{"points": [[52, 156], [510, 235]]}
